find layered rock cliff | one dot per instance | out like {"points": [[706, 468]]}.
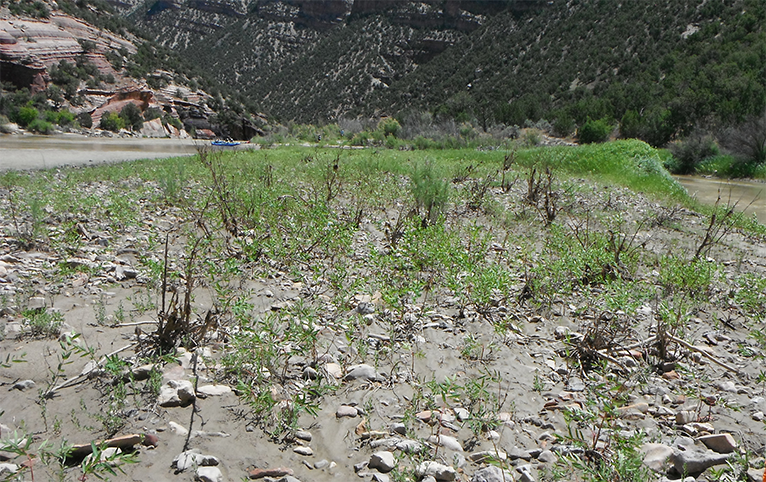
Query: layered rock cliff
{"points": [[28, 47], [35, 53]]}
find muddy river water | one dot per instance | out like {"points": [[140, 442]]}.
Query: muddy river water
{"points": [[42, 152], [750, 196]]}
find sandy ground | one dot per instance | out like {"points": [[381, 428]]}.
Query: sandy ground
{"points": [[536, 381]]}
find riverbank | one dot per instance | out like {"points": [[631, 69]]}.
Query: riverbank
{"points": [[387, 315]]}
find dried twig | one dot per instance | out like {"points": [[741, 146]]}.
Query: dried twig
{"points": [[702, 352]]}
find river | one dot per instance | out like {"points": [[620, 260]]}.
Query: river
{"points": [[750, 196], [43, 152]]}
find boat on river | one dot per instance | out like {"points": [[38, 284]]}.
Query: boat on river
{"points": [[227, 143]]}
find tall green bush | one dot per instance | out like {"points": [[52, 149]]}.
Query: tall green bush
{"points": [[431, 192], [132, 117], [691, 151], [389, 126], [112, 121], [26, 115], [595, 131]]}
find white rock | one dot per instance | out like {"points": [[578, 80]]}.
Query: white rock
{"points": [[492, 474], [462, 414], [409, 446], [214, 390], [334, 370], [178, 429], [436, 470], [208, 474], [36, 303], [8, 469], [657, 456], [303, 435], [548, 457], [728, 386], [362, 372], [346, 411], [446, 441], [685, 416], [24, 385], [384, 461], [192, 457], [723, 443], [185, 390], [526, 473], [303, 450]]}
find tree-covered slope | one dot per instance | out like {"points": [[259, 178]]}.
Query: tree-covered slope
{"points": [[660, 67]]}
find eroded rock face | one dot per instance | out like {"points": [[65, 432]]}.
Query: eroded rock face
{"points": [[29, 47]]}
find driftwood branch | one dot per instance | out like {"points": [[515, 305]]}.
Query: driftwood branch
{"points": [[122, 442], [84, 376], [702, 352]]}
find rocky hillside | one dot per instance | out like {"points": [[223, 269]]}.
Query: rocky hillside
{"points": [[666, 67], [61, 67], [308, 60]]}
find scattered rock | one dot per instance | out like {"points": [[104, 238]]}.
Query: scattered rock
{"points": [[178, 429], [685, 416], [409, 446], [384, 461], [8, 469], [346, 411], [303, 435], [657, 456], [399, 428], [142, 373], [362, 372], [436, 470], [446, 441], [462, 414], [517, 453], [723, 443], [176, 393], [334, 370], [548, 457], [575, 385], [208, 474], [192, 457], [36, 303], [695, 461], [492, 474], [526, 473], [303, 450], [24, 385], [257, 473], [288, 478], [214, 390], [727, 386], [753, 475]]}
